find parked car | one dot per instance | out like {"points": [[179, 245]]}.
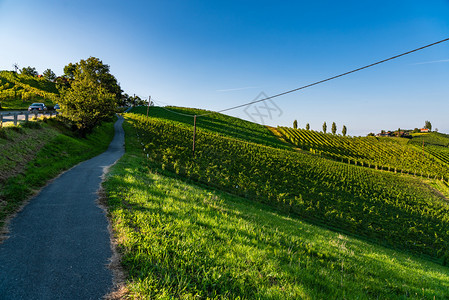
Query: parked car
{"points": [[56, 107], [37, 106]]}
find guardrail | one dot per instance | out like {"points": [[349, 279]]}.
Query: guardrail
{"points": [[17, 116]]}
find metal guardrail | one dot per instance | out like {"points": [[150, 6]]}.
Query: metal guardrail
{"points": [[16, 116]]}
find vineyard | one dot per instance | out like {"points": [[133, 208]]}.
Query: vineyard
{"points": [[217, 123], [18, 91], [391, 209], [391, 154]]}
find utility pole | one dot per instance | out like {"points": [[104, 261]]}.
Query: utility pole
{"points": [[149, 101], [194, 135]]}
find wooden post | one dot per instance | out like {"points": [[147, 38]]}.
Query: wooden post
{"points": [[15, 119], [148, 108], [26, 116], [194, 135], [1, 120]]}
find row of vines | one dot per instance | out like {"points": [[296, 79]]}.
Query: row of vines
{"points": [[393, 210], [385, 154], [25, 88]]}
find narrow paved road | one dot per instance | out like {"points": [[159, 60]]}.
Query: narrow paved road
{"points": [[59, 243]]}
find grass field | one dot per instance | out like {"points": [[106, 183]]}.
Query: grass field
{"points": [[186, 241], [33, 153]]}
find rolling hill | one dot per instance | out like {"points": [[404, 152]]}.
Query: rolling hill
{"points": [[18, 91], [211, 215]]}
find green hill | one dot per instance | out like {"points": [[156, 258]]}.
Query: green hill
{"points": [[18, 91], [247, 237], [217, 123], [385, 153]]}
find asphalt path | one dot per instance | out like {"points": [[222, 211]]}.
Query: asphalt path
{"points": [[59, 244]]}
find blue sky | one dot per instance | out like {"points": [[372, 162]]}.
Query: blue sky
{"points": [[217, 54]]}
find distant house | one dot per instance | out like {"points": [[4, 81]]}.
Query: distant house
{"points": [[383, 133], [424, 130]]}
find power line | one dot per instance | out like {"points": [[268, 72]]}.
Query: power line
{"points": [[328, 79], [317, 82]]}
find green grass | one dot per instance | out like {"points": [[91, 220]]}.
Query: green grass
{"points": [[179, 240], [31, 157]]}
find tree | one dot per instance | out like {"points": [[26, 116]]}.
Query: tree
{"points": [[86, 104], [49, 75], [324, 127], [334, 128], [428, 125], [295, 124], [69, 71], [30, 71], [93, 69], [344, 130], [307, 126]]}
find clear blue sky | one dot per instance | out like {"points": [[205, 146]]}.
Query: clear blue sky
{"points": [[216, 54]]}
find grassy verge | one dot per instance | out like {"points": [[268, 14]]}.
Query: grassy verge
{"points": [[180, 240], [29, 157]]}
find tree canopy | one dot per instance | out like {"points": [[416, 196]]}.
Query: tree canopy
{"points": [[90, 95], [428, 125], [30, 71], [86, 104], [93, 69], [49, 75]]}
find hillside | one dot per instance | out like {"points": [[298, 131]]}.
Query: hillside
{"points": [[397, 211], [398, 155], [18, 91], [217, 123]]}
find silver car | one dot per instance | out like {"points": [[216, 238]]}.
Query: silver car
{"points": [[37, 106]]}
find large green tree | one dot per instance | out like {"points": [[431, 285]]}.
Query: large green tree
{"points": [[428, 125], [89, 95], [93, 69], [295, 124], [86, 104], [324, 127]]}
